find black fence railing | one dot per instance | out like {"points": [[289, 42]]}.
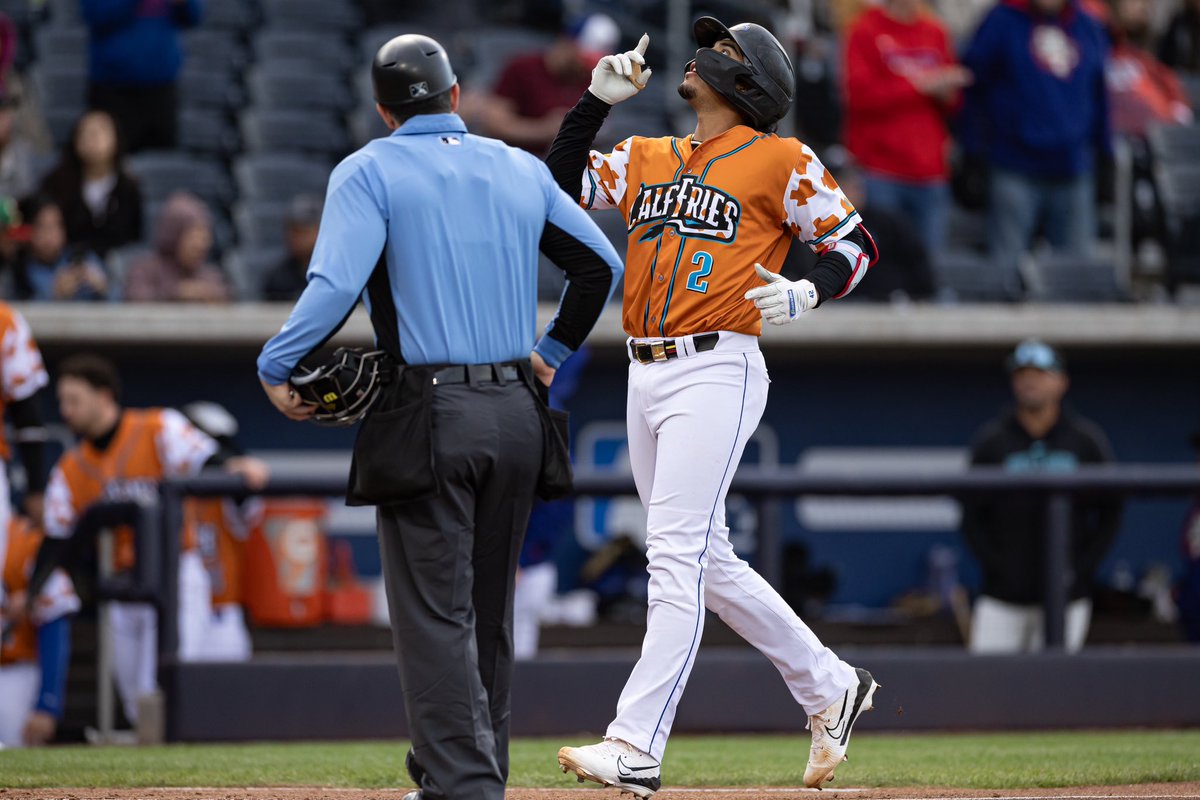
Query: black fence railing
{"points": [[156, 525]]}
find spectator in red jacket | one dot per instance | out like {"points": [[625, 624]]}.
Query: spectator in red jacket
{"points": [[1143, 91], [901, 83]]}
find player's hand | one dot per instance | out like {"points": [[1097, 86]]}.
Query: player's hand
{"points": [[781, 300], [253, 470], [619, 77], [35, 507], [541, 370], [39, 729], [284, 398]]}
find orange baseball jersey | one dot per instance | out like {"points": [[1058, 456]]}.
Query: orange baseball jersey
{"points": [[221, 527], [700, 217], [149, 445], [21, 369], [57, 598]]}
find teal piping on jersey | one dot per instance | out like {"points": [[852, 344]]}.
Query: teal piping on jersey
{"points": [[840, 225], [592, 196], [657, 247], [671, 289]]}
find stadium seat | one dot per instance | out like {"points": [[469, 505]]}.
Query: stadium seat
{"points": [[1071, 278], [1176, 144], [214, 48], [315, 47], [295, 132], [366, 125], [327, 16], [60, 121], [260, 224], [209, 132], [61, 88], [249, 266], [971, 277], [63, 12], [296, 85], [1180, 187], [235, 15], [489, 49], [966, 230], [276, 178], [453, 39], [65, 46], [161, 172], [204, 86]]}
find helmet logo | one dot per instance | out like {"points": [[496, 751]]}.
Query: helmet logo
{"points": [[418, 89]]}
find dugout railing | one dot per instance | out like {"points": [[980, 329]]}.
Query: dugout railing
{"points": [[157, 523]]}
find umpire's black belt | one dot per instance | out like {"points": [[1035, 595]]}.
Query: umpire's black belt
{"points": [[476, 373], [666, 349]]}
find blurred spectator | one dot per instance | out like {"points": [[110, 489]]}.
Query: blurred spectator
{"points": [[1188, 599], [35, 643], [1037, 115], [179, 269], [901, 82], [287, 281], [101, 202], [535, 90], [134, 58], [47, 267], [1179, 46], [1007, 533], [17, 178], [1142, 90]]}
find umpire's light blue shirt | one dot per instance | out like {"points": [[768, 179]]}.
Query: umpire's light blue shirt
{"points": [[458, 218]]}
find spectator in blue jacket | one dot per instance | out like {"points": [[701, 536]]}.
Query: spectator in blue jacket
{"points": [[1038, 115], [133, 63]]}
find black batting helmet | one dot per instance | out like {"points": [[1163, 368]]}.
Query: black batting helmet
{"points": [[409, 68], [762, 87]]}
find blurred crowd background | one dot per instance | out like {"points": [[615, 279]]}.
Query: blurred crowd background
{"points": [[177, 150]]}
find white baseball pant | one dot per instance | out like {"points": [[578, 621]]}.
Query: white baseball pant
{"points": [[19, 685], [688, 421]]}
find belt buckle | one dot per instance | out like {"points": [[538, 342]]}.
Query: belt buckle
{"points": [[658, 350]]}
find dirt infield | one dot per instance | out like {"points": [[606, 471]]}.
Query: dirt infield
{"points": [[1147, 791]]}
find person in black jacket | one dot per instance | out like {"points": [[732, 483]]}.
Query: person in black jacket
{"points": [[101, 202], [1006, 532]]}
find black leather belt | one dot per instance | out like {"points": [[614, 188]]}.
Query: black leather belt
{"points": [[666, 349], [479, 373]]}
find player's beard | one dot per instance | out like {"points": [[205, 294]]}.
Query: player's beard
{"points": [[687, 92]]}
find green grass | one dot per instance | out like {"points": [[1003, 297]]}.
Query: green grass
{"points": [[999, 761]]}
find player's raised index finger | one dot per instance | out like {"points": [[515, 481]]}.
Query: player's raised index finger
{"points": [[642, 44]]}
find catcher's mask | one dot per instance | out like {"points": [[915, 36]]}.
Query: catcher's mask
{"points": [[762, 87], [344, 388]]}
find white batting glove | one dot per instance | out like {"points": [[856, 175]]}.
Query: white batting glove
{"points": [[781, 300], [619, 77]]}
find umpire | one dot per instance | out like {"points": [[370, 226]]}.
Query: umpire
{"points": [[438, 231]]}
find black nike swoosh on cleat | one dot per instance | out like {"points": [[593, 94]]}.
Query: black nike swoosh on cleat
{"points": [[837, 725], [624, 769], [864, 686]]}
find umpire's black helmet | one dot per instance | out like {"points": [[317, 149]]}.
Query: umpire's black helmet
{"points": [[761, 88], [410, 68]]}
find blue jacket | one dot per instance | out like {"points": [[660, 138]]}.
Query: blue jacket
{"points": [[1039, 104], [136, 42]]}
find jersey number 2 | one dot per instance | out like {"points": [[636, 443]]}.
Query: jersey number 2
{"points": [[696, 279]]}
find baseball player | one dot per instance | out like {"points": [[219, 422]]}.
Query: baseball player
{"points": [[22, 376], [123, 454], [34, 644], [710, 218]]}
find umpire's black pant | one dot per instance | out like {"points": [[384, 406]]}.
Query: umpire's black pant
{"points": [[449, 564]]}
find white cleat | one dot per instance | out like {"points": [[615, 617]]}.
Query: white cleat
{"points": [[615, 763], [831, 730]]}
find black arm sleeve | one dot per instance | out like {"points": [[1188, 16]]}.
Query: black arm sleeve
{"points": [[568, 154], [31, 440], [833, 272], [52, 553], [589, 279]]}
